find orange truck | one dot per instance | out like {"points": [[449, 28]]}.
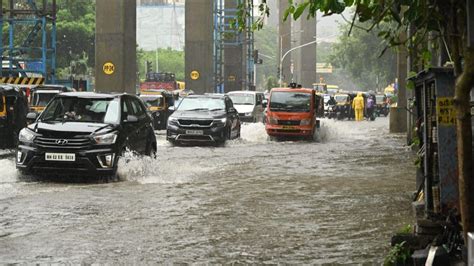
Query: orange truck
{"points": [[294, 112]]}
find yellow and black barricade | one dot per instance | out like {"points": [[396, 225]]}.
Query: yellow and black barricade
{"points": [[22, 80]]}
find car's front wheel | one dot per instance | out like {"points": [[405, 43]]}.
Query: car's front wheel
{"points": [[150, 148], [226, 135]]}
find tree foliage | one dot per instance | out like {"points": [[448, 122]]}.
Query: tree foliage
{"points": [[267, 45], [360, 55], [168, 61], [75, 32]]}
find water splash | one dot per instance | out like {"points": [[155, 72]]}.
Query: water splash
{"points": [[253, 133], [161, 170], [9, 172]]}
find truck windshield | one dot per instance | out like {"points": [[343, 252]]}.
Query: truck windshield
{"points": [[341, 98], [65, 109], [42, 98], [242, 99], [194, 104], [152, 101], [290, 101]]}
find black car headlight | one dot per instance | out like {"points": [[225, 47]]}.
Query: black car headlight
{"points": [[108, 138], [26, 135]]}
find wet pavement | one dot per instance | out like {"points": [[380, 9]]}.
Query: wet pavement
{"points": [[252, 201]]}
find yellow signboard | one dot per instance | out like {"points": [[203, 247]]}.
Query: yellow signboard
{"points": [[446, 111], [108, 68], [194, 75]]}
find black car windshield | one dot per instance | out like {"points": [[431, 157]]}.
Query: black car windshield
{"points": [[341, 98], [42, 98], [290, 101], [66, 109], [152, 101], [201, 103], [242, 99]]}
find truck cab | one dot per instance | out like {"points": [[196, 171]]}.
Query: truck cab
{"points": [[294, 112]]}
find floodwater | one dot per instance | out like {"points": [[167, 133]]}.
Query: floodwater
{"points": [[252, 201]]}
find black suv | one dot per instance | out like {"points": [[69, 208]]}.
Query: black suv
{"points": [[85, 133], [204, 118]]}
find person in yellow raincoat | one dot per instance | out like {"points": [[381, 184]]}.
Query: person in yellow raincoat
{"points": [[358, 106]]}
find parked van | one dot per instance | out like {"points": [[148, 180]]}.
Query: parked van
{"points": [[249, 104], [294, 112]]}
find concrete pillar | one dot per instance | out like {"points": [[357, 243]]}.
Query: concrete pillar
{"points": [[234, 55], [116, 45], [199, 45], [305, 58], [284, 40]]}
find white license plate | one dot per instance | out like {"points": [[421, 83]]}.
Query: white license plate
{"points": [[194, 132], [62, 157]]}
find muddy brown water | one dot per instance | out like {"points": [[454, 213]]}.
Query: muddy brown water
{"points": [[252, 201]]}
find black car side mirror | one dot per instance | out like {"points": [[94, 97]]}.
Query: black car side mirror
{"points": [[132, 119], [32, 116]]}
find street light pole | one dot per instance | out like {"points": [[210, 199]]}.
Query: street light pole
{"points": [[281, 52], [156, 53], [288, 52]]}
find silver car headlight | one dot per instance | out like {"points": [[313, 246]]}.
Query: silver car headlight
{"points": [[26, 135], [108, 138], [172, 121]]}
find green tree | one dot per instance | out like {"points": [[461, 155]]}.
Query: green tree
{"points": [[75, 32], [267, 45], [446, 18], [323, 52], [168, 61], [272, 82], [360, 55]]}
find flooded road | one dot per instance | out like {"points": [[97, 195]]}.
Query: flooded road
{"points": [[252, 201]]}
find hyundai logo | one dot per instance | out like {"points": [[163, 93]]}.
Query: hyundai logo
{"points": [[61, 141]]}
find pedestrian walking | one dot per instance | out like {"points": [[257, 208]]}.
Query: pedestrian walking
{"points": [[370, 107], [358, 106]]}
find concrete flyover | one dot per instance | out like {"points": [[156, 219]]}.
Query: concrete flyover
{"points": [[115, 50], [199, 46]]}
